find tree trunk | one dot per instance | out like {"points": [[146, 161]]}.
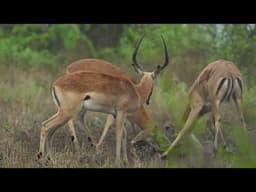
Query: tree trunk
{"points": [[105, 35]]}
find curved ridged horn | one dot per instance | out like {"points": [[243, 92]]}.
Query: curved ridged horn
{"points": [[166, 59], [138, 68]]}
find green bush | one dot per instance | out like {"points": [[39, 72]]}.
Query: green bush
{"points": [[249, 106], [39, 45]]}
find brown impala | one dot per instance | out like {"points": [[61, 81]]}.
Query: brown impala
{"points": [[101, 92], [219, 81]]}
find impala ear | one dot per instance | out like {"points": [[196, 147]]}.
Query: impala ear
{"points": [[156, 72], [153, 75]]}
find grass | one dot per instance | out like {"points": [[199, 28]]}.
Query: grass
{"points": [[25, 101]]}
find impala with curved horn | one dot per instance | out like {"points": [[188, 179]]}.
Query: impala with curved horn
{"points": [[100, 92], [220, 81], [141, 117]]}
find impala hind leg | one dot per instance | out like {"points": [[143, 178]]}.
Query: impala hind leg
{"points": [[223, 138], [81, 124], [212, 130], [238, 104], [48, 129], [237, 97]]}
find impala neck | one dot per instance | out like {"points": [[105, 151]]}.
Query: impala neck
{"points": [[145, 86]]}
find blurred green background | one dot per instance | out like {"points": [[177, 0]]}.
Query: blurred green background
{"points": [[191, 46]]}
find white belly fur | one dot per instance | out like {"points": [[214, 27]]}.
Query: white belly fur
{"points": [[223, 89], [94, 106], [99, 102]]}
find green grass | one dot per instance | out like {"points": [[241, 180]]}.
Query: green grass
{"points": [[25, 101]]}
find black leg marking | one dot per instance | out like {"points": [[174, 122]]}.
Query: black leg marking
{"points": [[231, 89], [89, 139], [39, 155]]}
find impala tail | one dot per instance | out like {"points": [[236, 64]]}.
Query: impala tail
{"points": [[55, 98]]}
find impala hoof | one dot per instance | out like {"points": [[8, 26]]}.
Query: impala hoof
{"points": [[39, 155]]}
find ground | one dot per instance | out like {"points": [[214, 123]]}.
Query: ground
{"points": [[25, 101]]}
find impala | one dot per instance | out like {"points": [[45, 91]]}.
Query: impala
{"points": [[99, 92], [220, 81], [141, 117]]}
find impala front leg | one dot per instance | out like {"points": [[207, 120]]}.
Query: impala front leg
{"points": [[192, 115], [109, 122], [124, 146], [73, 134], [81, 121]]}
